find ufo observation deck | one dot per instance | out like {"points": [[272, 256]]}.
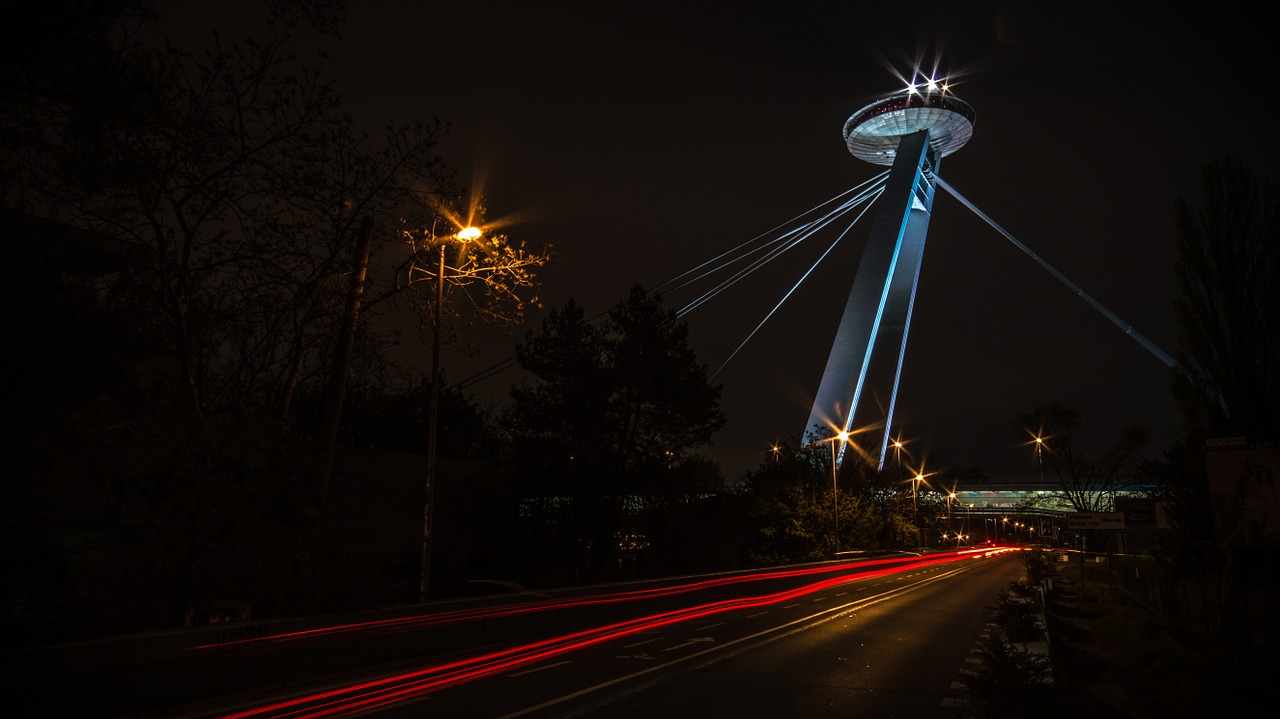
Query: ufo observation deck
{"points": [[872, 133]]}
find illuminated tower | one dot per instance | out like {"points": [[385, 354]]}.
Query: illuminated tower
{"points": [[910, 132]]}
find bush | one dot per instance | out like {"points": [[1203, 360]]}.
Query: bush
{"points": [[1014, 682], [1038, 564], [1017, 613]]}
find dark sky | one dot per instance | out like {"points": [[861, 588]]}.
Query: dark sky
{"points": [[642, 139]]}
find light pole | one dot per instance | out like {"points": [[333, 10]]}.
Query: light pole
{"points": [[1040, 456], [915, 506], [951, 497], [466, 235], [897, 453], [841, 437]]}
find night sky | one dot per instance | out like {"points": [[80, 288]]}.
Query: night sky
{"points": [[642, 139]]}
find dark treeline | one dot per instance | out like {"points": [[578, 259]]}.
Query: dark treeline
{"points": [[183, 230]]}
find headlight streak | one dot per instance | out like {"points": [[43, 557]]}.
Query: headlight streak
{"points": [[416, 684]]}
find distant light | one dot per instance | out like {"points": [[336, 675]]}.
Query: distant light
{"points": [[469, 233], [912, 89], [932, 85]]}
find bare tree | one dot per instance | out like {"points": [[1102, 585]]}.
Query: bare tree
{"points": [[1088, 483], [241, 185], [1229, 308]]}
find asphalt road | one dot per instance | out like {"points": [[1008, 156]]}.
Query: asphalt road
{"points": [[891, 646], [888, 637], [888, 645]]}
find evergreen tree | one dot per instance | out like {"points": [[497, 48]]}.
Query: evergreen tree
{"points": [[604, 428]]}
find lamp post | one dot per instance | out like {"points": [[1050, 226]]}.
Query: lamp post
{"points": [[466, 235], [841, 437], [1040, 456], [897, 453], [915, 506], [951, 497]]}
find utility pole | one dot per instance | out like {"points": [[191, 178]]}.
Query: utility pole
{"points": [[425, 579]]}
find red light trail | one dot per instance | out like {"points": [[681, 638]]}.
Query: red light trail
{"points": [[411, 685]]}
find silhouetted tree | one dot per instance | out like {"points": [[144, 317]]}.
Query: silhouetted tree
{"points": [[228, 188], [1087, 483], [1229, 315], [790, 506], [241, 185], [604, 428], [1229, 305]]}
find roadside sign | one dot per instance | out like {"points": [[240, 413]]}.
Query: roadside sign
{"points": [[1138, 511], [1095, 520]]}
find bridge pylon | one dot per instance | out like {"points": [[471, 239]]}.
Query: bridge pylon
{"points": [[911, 132]]}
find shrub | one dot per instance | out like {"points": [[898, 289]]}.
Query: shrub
{"points": [[1038, 564], [1014, 682]]}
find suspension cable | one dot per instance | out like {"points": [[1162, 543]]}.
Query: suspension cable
{"points": [[1128, 329]]}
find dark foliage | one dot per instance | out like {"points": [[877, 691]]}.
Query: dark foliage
{"points": [[605, 430], [1013, 683], [1229, 305]]}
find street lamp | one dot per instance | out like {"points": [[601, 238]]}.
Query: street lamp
{"points": [[465, 235], [951, 497], [1041, 446], [841, 437], [897, 453], [915, 506]]}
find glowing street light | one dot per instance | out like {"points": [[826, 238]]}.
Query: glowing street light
{"points": [[915, 506], [467, 234], [1038, 441], [951, 497], [897, 452], [916, 481], [840, 437]]}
